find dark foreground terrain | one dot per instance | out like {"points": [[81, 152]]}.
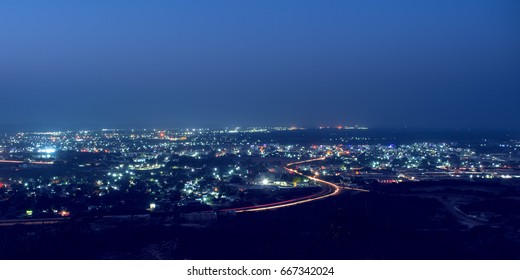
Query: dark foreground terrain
{"points": [[426, 221]]}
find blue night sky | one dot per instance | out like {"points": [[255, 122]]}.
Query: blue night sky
{"points": [[86, 64]]}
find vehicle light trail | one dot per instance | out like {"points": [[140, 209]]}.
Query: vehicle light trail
{"points": [[331, 190], [27, 162], [44, 221]]}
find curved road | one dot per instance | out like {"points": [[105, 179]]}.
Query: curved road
{"points": [[329, 189]]}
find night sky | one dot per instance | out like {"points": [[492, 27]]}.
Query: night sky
{"points": [[160, 64]]}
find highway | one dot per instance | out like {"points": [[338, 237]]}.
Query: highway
{"points": [[44, 221], [329, 189], [28, 162]]}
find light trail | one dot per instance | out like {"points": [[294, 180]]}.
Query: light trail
{"points": [[44, 221], [28, 162], [332, 190]]}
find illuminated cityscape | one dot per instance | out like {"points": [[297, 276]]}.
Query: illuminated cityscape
{"points": [[206, 177], [259, 130], [182, 167]]}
